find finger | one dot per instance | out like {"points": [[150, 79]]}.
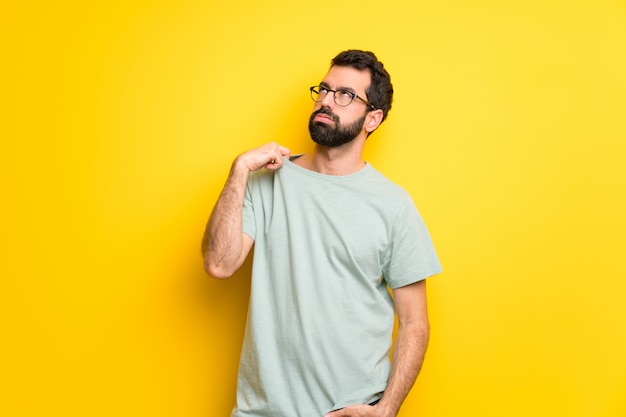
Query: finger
{"points": [[274, 163], [284, 151]]}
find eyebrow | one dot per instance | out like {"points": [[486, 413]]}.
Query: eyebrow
{"points": [[350, 89]]}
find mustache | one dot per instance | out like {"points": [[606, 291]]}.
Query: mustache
{"points": [[326, 111]]}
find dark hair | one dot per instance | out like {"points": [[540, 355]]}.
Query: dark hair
{"points": [[380, 91]]}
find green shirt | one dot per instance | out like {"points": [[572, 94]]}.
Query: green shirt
{"points": [[320, 318]]}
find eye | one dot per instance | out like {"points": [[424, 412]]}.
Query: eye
{"points": [[323, 90], [346, 94]]}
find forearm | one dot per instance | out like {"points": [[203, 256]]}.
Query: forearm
{"points": [[408, 356], [222, 244]]}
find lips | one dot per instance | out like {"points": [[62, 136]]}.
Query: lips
{"points": [[324, 118]]}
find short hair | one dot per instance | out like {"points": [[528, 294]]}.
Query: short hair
{"points": [[380, 91]]}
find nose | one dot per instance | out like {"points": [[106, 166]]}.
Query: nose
{"points": [[328, 100]]}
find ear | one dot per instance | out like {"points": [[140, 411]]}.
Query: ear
{"points": [[373, 120]]}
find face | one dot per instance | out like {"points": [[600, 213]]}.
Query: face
{"points": [[331, 125]]}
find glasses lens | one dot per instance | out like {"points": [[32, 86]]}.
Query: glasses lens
{"points": [[315, 94], [343, 98]]}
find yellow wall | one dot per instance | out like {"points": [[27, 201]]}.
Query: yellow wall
{"points": [[119, 123]]}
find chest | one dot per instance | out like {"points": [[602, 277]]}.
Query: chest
{"points": [[344, 227]]}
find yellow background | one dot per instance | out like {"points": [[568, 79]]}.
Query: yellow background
{"points": [[120, 120]]}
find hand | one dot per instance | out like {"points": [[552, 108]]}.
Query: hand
{"points": [[268, 156], [358, 410]]}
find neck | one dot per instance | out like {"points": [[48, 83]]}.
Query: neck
{"points": [[341, 160]]}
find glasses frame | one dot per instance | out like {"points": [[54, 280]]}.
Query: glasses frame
{"points": [[350, 93]]}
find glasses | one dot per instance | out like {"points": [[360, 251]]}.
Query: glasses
{"points": [[342, 98]]}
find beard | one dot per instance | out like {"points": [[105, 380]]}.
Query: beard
{"points": [[335, 135]]}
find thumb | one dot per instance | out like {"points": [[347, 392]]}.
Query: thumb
{"points": [[286, 152]]}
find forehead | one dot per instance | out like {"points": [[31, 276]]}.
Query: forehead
{"points": [[348, 78]]}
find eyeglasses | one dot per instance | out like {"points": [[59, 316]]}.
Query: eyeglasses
{"points": [[342, 98]]}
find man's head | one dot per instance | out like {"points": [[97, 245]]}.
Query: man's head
{"points": [[380, 91], [354, 98]]}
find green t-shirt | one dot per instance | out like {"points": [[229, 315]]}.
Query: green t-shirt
{"points": [[320, 317]]}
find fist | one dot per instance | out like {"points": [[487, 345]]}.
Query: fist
{"points": [[268, 156]]}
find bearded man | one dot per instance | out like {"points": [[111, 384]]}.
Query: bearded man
{"points": [[338, 251]]}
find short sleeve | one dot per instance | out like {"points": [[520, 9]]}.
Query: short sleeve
{"points": [[410, 255], [248, 219]]}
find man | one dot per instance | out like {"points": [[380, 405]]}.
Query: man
{"points": [[331, 235]]}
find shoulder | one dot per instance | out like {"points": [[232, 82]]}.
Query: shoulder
{"points": [[261, 176], [380, 184]]}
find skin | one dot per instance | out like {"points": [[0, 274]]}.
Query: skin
{"points": [[225, 246]]}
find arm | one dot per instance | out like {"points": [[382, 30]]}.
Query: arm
{"points": [[224, 245], [408, 355], [411, 343]]}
